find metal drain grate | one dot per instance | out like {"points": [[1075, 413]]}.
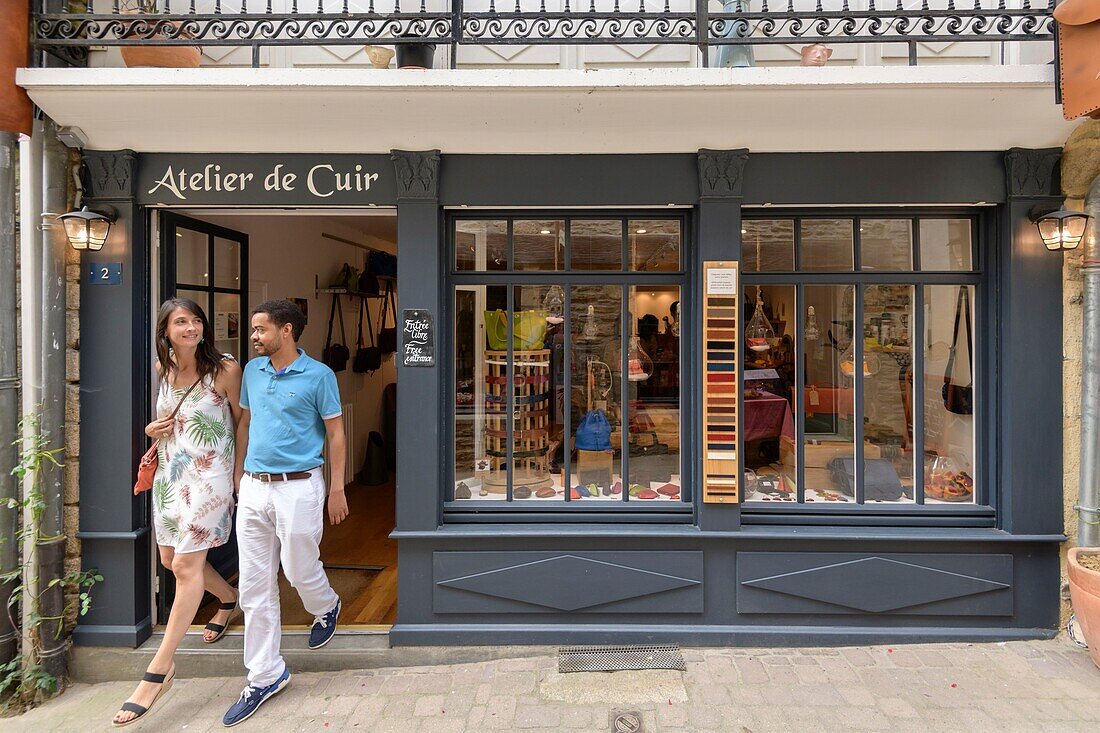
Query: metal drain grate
{"points": [[615, 658]]}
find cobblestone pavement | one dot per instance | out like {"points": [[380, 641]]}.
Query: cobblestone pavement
{"points": [[1047, 686]]}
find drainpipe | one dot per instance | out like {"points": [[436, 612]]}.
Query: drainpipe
{"points": [[51, 397], [30, 211], [1088, 507], [9, 391]]}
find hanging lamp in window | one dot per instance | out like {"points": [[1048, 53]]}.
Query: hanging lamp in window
{"points": [[759, 335], [590, 331], [871, 364]]}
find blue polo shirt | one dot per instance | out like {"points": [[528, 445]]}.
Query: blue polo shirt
{"points": [[288, 409]]}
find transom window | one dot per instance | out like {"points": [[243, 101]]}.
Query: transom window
{"points": [[566, 383], [862, 360]]}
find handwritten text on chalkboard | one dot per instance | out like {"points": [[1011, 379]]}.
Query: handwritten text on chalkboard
{"points": [[418, 338]]}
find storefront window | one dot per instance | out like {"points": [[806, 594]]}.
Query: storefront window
{"points": [[567, 387], [835, 359]]}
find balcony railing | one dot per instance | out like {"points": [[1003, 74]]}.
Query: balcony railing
{"points": [[262, 24]]}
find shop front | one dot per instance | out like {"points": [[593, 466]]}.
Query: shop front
{"points": [[720, 397]]}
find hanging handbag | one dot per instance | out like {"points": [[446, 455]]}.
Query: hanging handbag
{"points": [[594, 432], [335, 356], [367, 358], [382, 264], [957, 398], [387, 336], [347, 277], [147, 466]]}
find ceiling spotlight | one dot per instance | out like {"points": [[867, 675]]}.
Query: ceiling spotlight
{"points": [[641, 231], [544, 231]]}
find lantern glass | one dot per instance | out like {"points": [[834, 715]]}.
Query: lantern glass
{"points": [[1050, 229], [76, 229], [1073, 229], [97, 233]]}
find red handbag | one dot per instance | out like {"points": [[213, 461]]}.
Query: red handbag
{"points": [[147, 466]]}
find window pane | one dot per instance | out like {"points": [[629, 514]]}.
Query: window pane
{"points": [[227, 324], [767, 245], [949, 364], [596, 244], [596, 387], [945, 244], [199, 296], [192, 257], [539, 245], [653, 413], [481, 245], [886, 244], [532, 424], [478, 409], [826, 245], [654, 245], [829, 397], [888, 393], [768, 315], [227, 263]]}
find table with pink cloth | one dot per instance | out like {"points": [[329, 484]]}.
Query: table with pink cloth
{"points": [[768, 416]]}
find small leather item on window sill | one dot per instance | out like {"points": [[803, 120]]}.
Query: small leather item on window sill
{"points": [[1079, 57], [880, 480]]}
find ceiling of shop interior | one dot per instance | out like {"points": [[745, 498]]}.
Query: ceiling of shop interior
{"points": [[382, 226]]}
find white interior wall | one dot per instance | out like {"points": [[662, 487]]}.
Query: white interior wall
{"points": [[285, 253]]}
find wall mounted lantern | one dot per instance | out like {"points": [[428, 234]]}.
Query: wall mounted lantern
{"points": [[1062, 229], [86, 229]]}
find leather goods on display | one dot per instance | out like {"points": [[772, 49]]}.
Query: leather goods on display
{"points": [[387, 335], [1079, 57], [335, 356], [528, 330], [880, 480], [368, 359], [958, 398], [594, 432], [147, 466]]}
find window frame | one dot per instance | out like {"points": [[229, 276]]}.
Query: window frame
{"points": [[510, 510], [981, 276]]}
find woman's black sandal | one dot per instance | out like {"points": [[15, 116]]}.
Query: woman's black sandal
{"points": [[165, 682], [220, 629]]}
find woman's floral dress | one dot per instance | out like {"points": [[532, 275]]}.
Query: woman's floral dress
{"points": [[193, 490]]}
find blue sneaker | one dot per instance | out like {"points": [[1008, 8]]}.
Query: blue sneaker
{"points": [[324, 627], [252, 698]]}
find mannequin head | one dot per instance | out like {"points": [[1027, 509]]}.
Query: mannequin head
{"points": [[816, 54]]}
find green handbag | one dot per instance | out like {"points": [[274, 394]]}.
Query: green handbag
{"points": [[528, 329]]}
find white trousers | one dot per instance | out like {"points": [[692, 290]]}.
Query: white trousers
{"points": [[278, 522]]}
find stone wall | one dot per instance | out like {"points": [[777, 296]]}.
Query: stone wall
{"points": [[72, 406], [1080, 166]]}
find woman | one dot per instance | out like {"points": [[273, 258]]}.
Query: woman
{"points": [[193, 491]]}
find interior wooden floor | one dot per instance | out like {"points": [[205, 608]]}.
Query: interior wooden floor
{"points": [[361, 539]]}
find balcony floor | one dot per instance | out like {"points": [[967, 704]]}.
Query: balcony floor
{"points": [[770, 109]]}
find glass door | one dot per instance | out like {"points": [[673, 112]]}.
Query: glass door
{"points": [[209, 264]]}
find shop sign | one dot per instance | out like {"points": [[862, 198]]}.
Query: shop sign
{"points": [[259, 179], [418, 338]]}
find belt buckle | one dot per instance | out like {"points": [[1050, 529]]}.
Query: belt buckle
{"points": [[264, 476]]}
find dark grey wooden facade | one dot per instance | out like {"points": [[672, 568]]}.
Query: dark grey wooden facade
{"points": [[709, 574]]}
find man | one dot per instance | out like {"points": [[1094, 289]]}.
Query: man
{"points": [[290, 403]]}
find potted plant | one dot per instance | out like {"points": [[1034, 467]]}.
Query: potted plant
{"points": [[1084, 590], [169, 57]]}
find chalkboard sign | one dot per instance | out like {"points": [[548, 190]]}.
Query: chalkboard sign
{"points": [[417, 338]]}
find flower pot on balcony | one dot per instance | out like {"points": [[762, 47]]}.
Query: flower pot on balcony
{"points": [[415, 55], [165, 57], [1084, 590]]}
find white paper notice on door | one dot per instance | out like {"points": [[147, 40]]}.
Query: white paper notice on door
{"points": [[722, 281]]}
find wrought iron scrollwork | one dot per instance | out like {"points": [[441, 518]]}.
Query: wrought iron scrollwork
{"points": [[572, 26]]}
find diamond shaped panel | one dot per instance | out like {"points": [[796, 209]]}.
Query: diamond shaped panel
{"points": [[568, 582], [876, 584]]}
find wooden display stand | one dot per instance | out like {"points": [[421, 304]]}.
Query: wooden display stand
{"points": [[721, 326], [531, 425]]}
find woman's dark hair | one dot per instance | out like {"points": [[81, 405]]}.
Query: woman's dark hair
{"points": [[208, 360], [281, 312]]}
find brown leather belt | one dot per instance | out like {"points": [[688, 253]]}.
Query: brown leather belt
{"points": [[267, 478]]}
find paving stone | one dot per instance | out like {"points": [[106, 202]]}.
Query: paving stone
{"points": [[538, 716]]}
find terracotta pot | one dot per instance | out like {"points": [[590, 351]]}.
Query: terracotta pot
{"points": [[164, 57], [1084, 590]]}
